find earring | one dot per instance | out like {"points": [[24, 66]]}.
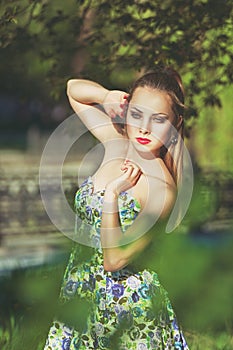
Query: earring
{"points": [[174, 140]]}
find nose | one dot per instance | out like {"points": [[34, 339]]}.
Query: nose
{"points": [[144, 127]]}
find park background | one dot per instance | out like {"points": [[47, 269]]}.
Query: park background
{"points": [[44, 43]]}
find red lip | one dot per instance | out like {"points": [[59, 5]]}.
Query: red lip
{"points": [[143, 141]]}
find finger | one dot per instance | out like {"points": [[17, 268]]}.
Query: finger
{"points": [[124, 107], [129, 162], [121, 113], [125, 97], [123, 104], [128, 170], [137, 177], [136, 171], [124, 165], [134, 177]]}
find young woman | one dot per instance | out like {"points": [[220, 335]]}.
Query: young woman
{"points": [[122, 207]]}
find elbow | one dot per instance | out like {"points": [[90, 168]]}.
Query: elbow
{"points": [[109, 267], [113, 265], [69, 86]]}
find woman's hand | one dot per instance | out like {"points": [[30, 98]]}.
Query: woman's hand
{"points": [[129, 178], [114, 103]]}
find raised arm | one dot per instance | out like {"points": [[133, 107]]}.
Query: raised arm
{"points": [[86, 92], [84, 95]]}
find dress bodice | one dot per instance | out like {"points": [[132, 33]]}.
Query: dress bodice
{"points": [[88, 206]]}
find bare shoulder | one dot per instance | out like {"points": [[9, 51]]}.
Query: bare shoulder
{"points": [[161, 198], [157, 192], [166, 177]]}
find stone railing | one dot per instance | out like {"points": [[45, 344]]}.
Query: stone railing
{"points": [[27, 235]]}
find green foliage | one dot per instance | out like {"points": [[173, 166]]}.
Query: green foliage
{"points": [[207, 341], [182, 34], [30, 300], [38, 41], [212, 135], [44, 42]]}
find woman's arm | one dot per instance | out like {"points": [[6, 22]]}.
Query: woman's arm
{"points": [[86, 91], [84, 94], [117, 256]]}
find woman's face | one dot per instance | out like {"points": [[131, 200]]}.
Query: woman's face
{"points": [[150, 120]]}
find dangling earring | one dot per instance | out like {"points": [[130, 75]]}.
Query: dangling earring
{"points": [[174, 140]]}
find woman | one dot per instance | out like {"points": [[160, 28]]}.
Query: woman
{"points": [[133, 190]]}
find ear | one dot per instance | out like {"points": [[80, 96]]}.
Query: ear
{"points": [[179, 123]]}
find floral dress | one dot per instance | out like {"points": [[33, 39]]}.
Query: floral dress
{"points": [[129, 309]]}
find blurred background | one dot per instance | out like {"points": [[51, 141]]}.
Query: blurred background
{"points": [[44, 43]]}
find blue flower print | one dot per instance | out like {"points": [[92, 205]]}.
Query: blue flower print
{"points": [[143, 291], [135, 297], [91, 282], [96, 213], [134, 333], [70, 288], [126, 318], [117, 290], [77, 197], [175, 324], [137, 311], [132, 204], [102, 292], [89, 285], [123, 213], [66, 344], [142, 346], [107, 314], [178, 346], [123, 196], [95, 241], [76, 342], [150, 315], [68, 331], [97, 226], [103, 342], [108, 284], [158, 332], [89, 214], [85, 182], [86, 267], [99, 329]]}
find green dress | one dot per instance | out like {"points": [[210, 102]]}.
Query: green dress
{"points": [[129, 308]]}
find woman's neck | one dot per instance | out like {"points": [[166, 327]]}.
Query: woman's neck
{"points": [[146, 161]]}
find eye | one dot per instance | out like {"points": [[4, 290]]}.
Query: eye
{"points": [[159, 118], [136, 115]]}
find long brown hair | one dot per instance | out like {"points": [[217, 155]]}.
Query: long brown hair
{"points": [[168, 80]]}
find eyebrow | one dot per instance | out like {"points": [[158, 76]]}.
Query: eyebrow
{"points": [[137, 109], [154, 114]]}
